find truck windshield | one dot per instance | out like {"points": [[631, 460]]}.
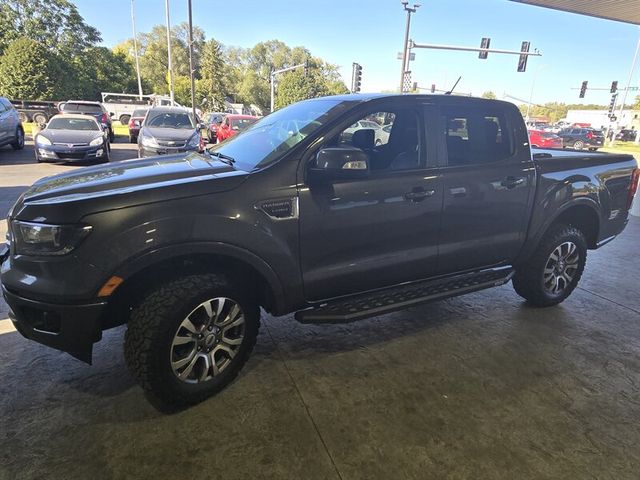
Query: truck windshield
{"points": [[271, 137]]}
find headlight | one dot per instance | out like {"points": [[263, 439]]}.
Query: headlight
{"points": [[96, 141], [40, 140], [41, 239], [194, 141], [149, 141]]}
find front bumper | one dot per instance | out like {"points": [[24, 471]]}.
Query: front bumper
{"points": [[70, 328], [59, 153]]}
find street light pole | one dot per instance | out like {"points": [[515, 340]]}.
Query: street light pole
{"points": [[170, 66], [135, 49], [631, 72], [405, 61], [191, 70], [533, 83]]}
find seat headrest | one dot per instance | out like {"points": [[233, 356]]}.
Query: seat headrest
{"points": [[364, 139]]}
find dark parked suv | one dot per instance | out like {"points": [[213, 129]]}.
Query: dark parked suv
{"points": [[11, 131], [95, 109], [582, 138], [292, 215]]}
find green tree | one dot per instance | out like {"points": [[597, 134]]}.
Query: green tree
{"points": [[636, 104], [489, 94], [55, 23], [211, 89], [152, 52], [99, 69], [29, 70], [321, 79]]}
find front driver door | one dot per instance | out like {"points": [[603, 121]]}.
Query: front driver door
{"points": [[358, 235]]}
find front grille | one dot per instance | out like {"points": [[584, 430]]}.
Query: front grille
{"points": [[70, 145], [171, 143]]}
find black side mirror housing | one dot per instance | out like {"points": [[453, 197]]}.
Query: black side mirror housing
{"points": [[336, 163]]}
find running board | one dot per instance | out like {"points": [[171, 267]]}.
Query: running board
{"points": [[359, 307]]}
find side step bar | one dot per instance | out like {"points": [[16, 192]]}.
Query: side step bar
{"points": [[388, 300]]}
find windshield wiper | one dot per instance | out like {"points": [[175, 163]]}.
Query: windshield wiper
{"points": [[222, 157]]}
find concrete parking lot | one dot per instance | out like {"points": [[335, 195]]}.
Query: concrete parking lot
{"points": [[480, 386]]}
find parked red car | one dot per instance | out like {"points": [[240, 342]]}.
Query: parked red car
{"points": [[135, 122], [233, 124], [538, 138]]}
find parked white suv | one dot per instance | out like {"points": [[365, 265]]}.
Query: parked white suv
{"points": [[11, 131]]}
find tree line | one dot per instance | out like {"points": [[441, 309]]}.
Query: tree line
{"points": [[48, 52]]}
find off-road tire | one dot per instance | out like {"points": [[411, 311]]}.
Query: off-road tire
{"points": [[528, 281], [152, 327]]}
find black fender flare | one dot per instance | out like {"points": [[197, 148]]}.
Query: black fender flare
{"points": [[137, 264], [534, 237]]}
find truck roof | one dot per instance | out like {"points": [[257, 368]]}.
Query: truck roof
{"points": [[434, 98]]}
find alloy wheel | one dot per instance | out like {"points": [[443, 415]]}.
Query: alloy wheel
{"points": [[207, 340], [561, 268]]}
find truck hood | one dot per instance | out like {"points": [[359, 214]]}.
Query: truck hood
{"points": [[124, 184]]}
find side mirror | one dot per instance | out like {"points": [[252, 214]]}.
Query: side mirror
{"points": [[337, 163], [201, 126]]}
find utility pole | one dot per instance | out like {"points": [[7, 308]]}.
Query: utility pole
{"points": [[191, 70], [135, 49], [626, 90], [404, 60], [170, 66]]}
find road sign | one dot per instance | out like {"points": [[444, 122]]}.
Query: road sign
{"points": [[412, 56]]}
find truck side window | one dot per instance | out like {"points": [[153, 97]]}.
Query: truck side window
{"points": [[476, 136], [391, 138]]}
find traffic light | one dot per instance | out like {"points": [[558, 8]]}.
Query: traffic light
{"points": [[614, 87], [306, 68], [357, 78], [583, 89], [522, 61], [612, 103], [484, 44]]}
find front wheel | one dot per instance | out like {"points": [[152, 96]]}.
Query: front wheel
{"points": [[18, 144], [188, 339], [554, 269], [578, 145]]}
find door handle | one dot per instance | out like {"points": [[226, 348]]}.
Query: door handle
{"points": [[418, 194], [512, 182]]}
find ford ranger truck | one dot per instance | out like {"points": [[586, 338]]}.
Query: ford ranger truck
{"points": [[310, 211]]}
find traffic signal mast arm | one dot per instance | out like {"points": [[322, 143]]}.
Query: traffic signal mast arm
{"points": [[412, 44], [272, 77]]}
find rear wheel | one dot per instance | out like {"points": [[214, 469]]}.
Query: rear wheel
{"points": [[189, 338], [578, 145], [39, 118], [555, 268]]}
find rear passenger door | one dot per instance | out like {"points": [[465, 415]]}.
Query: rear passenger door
{"points": [[487, 179]]}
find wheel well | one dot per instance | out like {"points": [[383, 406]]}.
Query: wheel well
{"points": [[584, 219], [137, 286]]}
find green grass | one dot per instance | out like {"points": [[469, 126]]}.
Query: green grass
{"points": [[624, 147]]}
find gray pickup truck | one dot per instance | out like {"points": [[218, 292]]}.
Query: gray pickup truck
{"points": [[337, 208]]}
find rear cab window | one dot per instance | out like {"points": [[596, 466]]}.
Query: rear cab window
{"points": [[476, 135]]}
